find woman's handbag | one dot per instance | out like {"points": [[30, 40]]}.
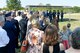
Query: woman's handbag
{"points": [[24, 46]]}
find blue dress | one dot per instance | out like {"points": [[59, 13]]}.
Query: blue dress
{"points": [[55, 50]]}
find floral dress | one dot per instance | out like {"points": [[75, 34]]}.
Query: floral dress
{"points": [[35, 39]]}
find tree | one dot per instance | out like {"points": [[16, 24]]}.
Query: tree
{"points": [[13, 4], [0, 8], [76, 9], [48, 4]]}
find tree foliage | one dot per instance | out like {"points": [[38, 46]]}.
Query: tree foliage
{"points": [[76, 9], [14, 4], [48, 4]]}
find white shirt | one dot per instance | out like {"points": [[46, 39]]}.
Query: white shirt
{"points": [[18, 18], [4, 39], [28, 24]]}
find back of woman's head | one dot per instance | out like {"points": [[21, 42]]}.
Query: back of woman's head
{"points": [[47, 21], [35, 23], [51, 35]]}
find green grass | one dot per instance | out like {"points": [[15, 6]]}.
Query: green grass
{"points": [[74, 24], [72, 15]]}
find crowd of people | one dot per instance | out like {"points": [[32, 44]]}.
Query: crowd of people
{"points": [[40, 29]]}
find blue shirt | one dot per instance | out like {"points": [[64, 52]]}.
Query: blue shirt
{"points": [[64, 35]]}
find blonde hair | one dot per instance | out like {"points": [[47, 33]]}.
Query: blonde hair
{"points": [[35, 23], [64, 28], [42, 17], [47, 20]]}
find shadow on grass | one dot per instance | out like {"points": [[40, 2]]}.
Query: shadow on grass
{"points": [[67, 19]]}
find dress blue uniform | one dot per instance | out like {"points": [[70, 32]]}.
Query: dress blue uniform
{"points": [[10, 29]]}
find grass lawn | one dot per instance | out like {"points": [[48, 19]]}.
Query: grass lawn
{"points": [[72, 15], [74, 24]]}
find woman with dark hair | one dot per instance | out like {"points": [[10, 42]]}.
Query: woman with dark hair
{"points": [[55, 22], [50, 40]]}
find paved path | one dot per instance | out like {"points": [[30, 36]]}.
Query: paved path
{"points": [[71, 50]]}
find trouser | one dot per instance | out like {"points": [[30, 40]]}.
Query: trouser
{"points": [[11, 47], [66, 44], [62, 51], [3, 50], [56, 48], [61, 18], [22, 37], [16, 42]]}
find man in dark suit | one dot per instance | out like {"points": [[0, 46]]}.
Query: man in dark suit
{"points": [[10, 29], [23, 27], [54, 14], [15, 22], [58, 14], [50, 16], [62, 15]]}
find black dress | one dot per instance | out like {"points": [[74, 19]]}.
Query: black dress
{"points": [[56, 48]]}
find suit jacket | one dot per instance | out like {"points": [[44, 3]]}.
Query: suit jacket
{"points": [[23, 26], [15, 22], [10, 28]]}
